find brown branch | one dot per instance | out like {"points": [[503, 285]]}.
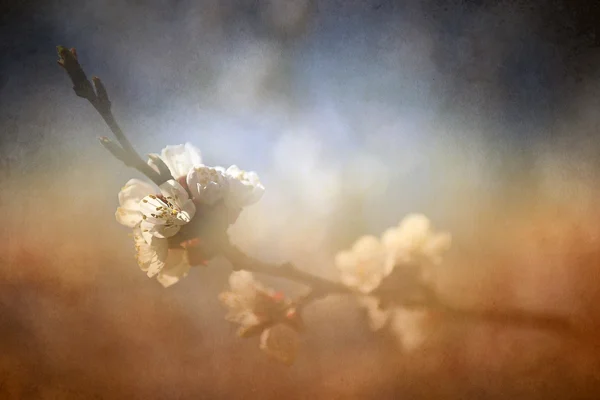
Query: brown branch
{"points": [[99, 99], [527, 319], [427, 299], [319, 287]]}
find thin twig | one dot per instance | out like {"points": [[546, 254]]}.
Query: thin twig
{"points": [[288, 271], [99, 99], [321, 287]]}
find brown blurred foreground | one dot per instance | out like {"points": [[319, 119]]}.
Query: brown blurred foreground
{"points": [[78, 319]]}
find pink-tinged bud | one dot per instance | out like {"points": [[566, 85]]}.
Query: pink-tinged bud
{"points": [[278, 296], [195, 254], [194, 242], [294, 319]]}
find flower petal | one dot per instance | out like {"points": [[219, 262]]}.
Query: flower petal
{"points": [[367, 244], [413, 241], [172, 207], [411, 327], [365, 265], [244, 187], [176, 267], [151, 255], [180, 159], [134, 191], [378, 317], [128, 217], [173, 190], [128, 213], [281, 343], [158, 231], [207, 185]]}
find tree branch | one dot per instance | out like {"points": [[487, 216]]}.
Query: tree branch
{"points": [[320, 287], [426, 299], [99, 99]]}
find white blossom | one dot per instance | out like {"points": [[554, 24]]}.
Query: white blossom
{"points": [[378, 316], [156, 259], [280, 342], [207, 184], [176, 267], [414, 241], [164, 214], [411, 327], [180, 159], [245, 187], [365, 265], [151, 255], [130, 196], [242, 299], [259, 310]]}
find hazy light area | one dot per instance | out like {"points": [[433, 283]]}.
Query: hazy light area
{"points": [[353, 113]]}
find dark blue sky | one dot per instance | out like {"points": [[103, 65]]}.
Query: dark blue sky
{"points": [[508, 70], [529, 57]]}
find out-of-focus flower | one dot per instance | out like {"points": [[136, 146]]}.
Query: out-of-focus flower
{"points": [[180, 159], [400, 260], [206, 184], [378, 316], [262, 311], [281, 343], [241, 300], [365, 265], [164, 214], [244, 187], [250, 304], [130, 196], [411, 327], [413, 241]]}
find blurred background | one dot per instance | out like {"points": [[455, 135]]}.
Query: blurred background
{"points": [[481, 115]]}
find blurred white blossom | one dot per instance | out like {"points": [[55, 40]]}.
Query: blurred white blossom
{"points": [[280, 342], [241, 300], [378, 316], [411, 327], [259, 310], [413, 241], [365, 265]]}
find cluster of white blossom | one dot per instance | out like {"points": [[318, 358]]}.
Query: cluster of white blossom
{"points": [[409, 251], [157, 213], [158, 216]]}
